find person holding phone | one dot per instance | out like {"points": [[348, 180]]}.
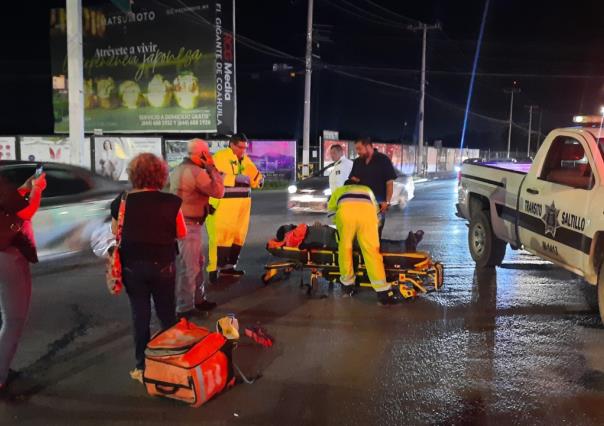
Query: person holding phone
{"points": [[195, 180], [17, 252]]}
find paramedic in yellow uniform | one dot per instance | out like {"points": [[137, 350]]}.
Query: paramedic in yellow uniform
{"points": [[228, 225], [356, 216]]}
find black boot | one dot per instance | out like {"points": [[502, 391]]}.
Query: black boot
{"points": [[387, 298], [348, 290], [213, 277]]}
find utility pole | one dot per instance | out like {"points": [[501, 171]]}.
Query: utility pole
{"points": [[307, 80], [511, 91], [530, 129], [75, 81], [539, 131], [422, 96]]}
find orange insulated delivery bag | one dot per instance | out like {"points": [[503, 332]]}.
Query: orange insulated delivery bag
{"points": [[188, 363]]}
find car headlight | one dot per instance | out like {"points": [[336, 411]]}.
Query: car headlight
{"points": [[292, 189], [327, 192]]}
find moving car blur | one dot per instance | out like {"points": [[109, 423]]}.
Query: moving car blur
{"points": [[75, 204], [311, 195]]}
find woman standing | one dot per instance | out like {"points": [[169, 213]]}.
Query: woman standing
{"points": [[152, 223], [15, 276]]}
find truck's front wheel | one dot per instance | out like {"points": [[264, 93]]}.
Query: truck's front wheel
{"points": [[486, 249], [601, 292]]}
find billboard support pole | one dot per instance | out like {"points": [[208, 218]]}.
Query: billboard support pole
{"points": [[234, 69], [307, 78], [75, 74]]}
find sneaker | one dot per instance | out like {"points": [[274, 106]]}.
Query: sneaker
{"points": [[213, 277], [232, 271], [205, 306], [137, 374], [348, 290]]}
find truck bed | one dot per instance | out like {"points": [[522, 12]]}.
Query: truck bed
{"points": [[508, 166]]}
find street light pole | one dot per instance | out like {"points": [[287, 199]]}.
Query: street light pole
{"points": [[75, 80], [307, 86], [422, 95], [511, 91], [530, 129]]}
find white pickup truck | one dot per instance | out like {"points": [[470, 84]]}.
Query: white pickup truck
{"points": [[552, 208]]}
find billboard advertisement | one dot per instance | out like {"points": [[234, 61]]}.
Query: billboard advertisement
{"points": [[276, 160], [164, 67], [327, 144], [8, 148], [55, 149], [112, 154]]}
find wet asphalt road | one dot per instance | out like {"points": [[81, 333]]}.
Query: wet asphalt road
{"points": [[518, 345]]}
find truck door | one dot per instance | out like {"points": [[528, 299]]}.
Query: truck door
{"points": [[554, 202]]}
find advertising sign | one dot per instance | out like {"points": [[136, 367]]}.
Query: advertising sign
{"points": [[7, 148], [54, 149], [112, 154], [276, 160], [164, 67], [327, 144]]}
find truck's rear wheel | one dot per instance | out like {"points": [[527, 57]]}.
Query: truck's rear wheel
{"points": [[601, 292], [486, 249]]}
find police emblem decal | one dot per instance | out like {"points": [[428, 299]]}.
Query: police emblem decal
{"points": [[550, 219]]}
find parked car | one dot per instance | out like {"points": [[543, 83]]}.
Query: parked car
{"points": [[311, 195], [74, 204]]}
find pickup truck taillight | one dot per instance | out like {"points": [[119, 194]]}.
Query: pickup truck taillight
{"points": [[459, 178]]}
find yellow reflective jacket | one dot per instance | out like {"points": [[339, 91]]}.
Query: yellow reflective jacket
{"points": [[229, 165], [351, 193]]}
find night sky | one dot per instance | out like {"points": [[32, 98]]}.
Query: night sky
{"points": [[366, 76]]}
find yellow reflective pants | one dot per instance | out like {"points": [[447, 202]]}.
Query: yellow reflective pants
{"points": [[227, 229], [359, 220]]}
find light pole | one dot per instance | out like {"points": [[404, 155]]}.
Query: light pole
{"points": [[422, 95], [530, 129], [511, 91], [307, 84], [75, 81]]}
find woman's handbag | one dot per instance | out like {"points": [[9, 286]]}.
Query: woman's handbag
{"points": [[114, 263], [10, 226]]}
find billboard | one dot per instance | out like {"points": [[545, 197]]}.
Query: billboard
{"points": [[112, 154], [276, 160], [327, 144], [55, 149], [8, 148], [164, 67]]}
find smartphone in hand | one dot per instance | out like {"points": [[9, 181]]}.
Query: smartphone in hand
{"points": [[39, 171]]}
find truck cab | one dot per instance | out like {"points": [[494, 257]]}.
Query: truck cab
{"points": [[552, 208]]}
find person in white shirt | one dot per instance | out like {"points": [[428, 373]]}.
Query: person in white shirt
{"points": [[341, 168]]}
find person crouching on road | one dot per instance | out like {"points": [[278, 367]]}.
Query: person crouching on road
{"points": [[19, 250], [356, 216], [153, 221], [228, 225], [195, 180]]}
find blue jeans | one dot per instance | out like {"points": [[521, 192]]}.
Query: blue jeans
{"points": [[143, 280], [190, 286], [15, 294]]}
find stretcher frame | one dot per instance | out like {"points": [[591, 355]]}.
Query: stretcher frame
{"points": [[424, 276]]}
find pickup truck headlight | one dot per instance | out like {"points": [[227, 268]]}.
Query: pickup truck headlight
{"points": [[327, 192], [292, 189]]}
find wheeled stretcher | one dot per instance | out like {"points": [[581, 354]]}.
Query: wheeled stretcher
{"points": [[410, 272]]}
